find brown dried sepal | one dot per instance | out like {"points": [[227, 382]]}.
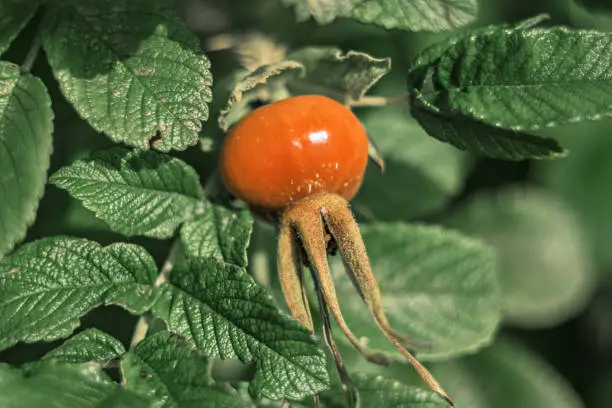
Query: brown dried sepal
{"points": [[311, 228]]}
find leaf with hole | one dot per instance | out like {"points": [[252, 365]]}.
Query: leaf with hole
{"points": [[132, 69]]}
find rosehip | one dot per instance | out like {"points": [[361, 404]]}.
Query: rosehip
{"points": [[294, 148]]}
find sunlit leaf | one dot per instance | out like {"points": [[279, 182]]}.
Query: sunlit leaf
{"points": [[25, 148]]}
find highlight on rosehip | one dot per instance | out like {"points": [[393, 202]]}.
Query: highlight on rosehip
{"points": [[295, 203]]}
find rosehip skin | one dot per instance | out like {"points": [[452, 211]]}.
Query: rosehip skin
{"points": [[294, 148]]}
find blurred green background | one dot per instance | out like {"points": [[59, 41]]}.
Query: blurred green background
{"points": [[550, 221]]}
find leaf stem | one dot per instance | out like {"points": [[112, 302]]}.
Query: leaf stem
{"points": [[142, 325], [379, 101], [32, 53]]}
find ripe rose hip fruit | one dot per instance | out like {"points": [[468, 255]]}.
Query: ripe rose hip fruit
{"points": [[302, 159], [293, 149]]}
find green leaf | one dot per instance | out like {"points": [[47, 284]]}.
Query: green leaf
{"points": [[420, 176], [522, 379], [344, 77], [132, 69], [417, 15], [527, 78], [135, 192], [266, 83], [438, 287], [165, 366], [583, 181], [47, 285], [14, 15], [26, 124], [64, 386], [545, 269], [221, 234], [220, 310], [425, 62], [323, 11], [378, 391], [476, 137], [91, 345]]}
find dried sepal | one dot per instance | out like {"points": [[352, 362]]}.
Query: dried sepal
{"points": [[305, 217], [291, 276], [346, 234], [305, 226]]}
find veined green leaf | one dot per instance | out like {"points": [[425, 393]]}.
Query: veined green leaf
{"points": [[26, 124], [344, 77], [132, 69], [135, 192], [521, 378], [47, 285], [417, 15], [323, 11], [14, 15], [378, 391], [425, 62], [165, 366], [225, 314], [545, 270], [52, 385], [91, 345], [221, 234], [527, 78], [413, 15], [476, 137], [438, 287]]}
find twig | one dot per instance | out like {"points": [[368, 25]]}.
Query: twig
{"points": [[352, 394], [142, 325], [32, 53], [378, 101]]}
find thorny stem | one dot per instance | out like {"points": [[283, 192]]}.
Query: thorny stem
{"points": [[142, 325]]}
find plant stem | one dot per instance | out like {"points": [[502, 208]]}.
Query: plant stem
{"points": [[377, 101], [32, 53], [142, 325]]}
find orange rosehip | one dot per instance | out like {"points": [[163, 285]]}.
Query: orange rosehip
{"points": [[294, 148]]}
